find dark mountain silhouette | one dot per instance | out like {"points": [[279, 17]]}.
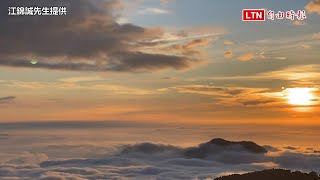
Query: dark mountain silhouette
{"points": [[248, 145], [149, 148], [272, 174], [219, 144]]}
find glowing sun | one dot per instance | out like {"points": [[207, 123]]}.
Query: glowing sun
{"points": [[300, 96]]}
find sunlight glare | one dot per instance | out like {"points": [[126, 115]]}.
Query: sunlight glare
{"points": [[300, 96]]}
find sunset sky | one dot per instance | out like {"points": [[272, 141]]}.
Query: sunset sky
{"points": [[180, 61]]}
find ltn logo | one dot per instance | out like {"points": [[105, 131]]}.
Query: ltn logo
{"points": [[253, 14]]}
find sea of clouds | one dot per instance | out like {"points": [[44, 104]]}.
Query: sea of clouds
{"points": [[79, 154]]}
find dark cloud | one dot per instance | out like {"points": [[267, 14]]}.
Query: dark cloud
{"points": [[270, 148], [211, 90], [7, 99], [4, 136], [228, 54], [149, 148], [127, 61], [290, 148], [169, 78], [88, 38], [256, 102]]}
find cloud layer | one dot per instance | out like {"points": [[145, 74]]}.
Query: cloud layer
{"points": [[52, 156], [152, 161]]}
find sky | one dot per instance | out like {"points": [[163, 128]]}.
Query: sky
{"points": [[177, 61]]}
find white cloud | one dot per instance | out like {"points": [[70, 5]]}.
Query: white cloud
{"points": [[153, 11], [122, 20]]}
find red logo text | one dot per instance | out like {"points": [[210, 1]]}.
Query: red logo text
{"points": [[253, 15]]}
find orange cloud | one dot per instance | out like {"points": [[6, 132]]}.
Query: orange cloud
{"points": [[305, 46], [298, 23], [218, 91], [198, 42], [75, 84], [316, 35], [228, 54], [188, 49], [247, 57], [228, 43], [233, 96], [313, 6]]}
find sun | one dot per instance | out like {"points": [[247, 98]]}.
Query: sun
{"points": [[300, 96]]}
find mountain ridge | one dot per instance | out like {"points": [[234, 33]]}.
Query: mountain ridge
{"points": [[272, 174]]}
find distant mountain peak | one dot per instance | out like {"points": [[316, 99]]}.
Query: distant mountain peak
{"points": [[248, 145], [218, 144]]}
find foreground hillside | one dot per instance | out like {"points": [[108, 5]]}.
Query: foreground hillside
{"points": [[272, 174]]}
